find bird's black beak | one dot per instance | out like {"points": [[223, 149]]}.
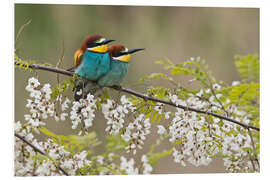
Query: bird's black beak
{"points": [[107, 41], [131, 51]]}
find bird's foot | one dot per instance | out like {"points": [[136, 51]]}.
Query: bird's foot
{"points": [[71, 69]]}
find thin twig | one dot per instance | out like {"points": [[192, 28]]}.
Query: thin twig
{"points": [[253, 147], [60, 61], [145, 97], [20, 31], [39, 151], [46, 68], [212, 89], [252, 163]]}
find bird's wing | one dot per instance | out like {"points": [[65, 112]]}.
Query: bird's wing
{"points": [[78, 57]]}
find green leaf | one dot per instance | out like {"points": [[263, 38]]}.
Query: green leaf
{"points": [[177, 142], [169, 61], [154, 116], [159, 118], [155, 157], [159, 62], [156, 76], [244, 94], [115, 143], [248, 67], [47, 132], [148, 114], [40, 157], [178, 70], [73, 143], [79, 143]]}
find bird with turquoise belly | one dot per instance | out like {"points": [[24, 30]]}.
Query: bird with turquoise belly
{"points": [[91, 61], [120, 57]]}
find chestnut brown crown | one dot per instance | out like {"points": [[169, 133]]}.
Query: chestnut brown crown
{"points": [[90, 40], [115, 49]]}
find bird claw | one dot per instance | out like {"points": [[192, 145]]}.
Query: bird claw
{"points": [[72, 69]]}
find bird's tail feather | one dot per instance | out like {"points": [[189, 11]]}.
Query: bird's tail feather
{"points": [[84, 87]]}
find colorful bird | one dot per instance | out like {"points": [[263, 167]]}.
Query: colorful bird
{"points": [[120, 57], [91, 61], [119, 64]]}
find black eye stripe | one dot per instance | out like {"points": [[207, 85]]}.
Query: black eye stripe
{"points": [[117, 54], [90, 44]]}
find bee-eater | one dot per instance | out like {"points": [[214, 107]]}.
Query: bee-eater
{"points": [[91, 61], [120, 57]]}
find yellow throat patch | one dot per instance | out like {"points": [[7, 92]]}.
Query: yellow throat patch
{"points": [[99, 49], [124, 58]]}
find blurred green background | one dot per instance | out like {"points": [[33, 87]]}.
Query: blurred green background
{"points": [[177, 33]]}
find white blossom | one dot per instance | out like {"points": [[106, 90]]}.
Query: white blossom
{"points": [[218, 96], [183, 129], [158, 107], [216, 86], [198, 143], [128, 166], [147, 168], [167, 114], [17, 126], [32, 83], [46, 168], [29, 137], [196, 137], [65, 105], [200, 93], [63, 116], [115, 114], [235, 83], [174, 98], [40, 105], [178, 157], [80, 159], [161, 129], [83, 110], [135, 133]]}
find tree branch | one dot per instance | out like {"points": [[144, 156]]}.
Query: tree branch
{"points": [[143, 96], [39, 151]]}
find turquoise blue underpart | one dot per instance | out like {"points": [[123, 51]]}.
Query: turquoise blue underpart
{"points": [[110, 74], [93, 65], [116, 74]]}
